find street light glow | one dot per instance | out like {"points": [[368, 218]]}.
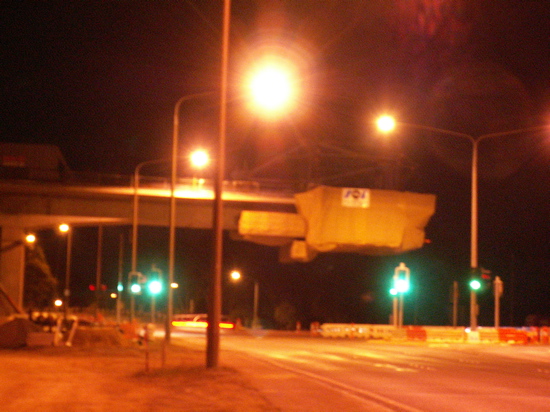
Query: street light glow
{"points": [[385, 123], [64, 228], [272, 86], [199, 158], [235, 275]]}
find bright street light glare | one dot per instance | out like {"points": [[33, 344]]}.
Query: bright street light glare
{"points": [[385, 123], [272, 87], [30, 238], [235, 275], [199, 158], [63, 227]]}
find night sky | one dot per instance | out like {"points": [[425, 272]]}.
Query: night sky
{"points": [[100, 79]]}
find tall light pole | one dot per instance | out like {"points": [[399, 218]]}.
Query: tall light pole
{"points": [[215, 292], [236, 276], [270, 80], [387, 124], [135, 218], [172, 217], [64, 228]]}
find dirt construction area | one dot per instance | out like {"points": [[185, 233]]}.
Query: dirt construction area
{"points": [[117, 379]]}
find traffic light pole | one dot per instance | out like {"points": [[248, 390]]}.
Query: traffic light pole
{"points": [[497, 289], [401, 286], [473, 310]]}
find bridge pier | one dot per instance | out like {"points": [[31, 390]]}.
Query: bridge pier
{"points": [[12, 263]]}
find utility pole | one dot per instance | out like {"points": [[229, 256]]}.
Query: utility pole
{"points": [[498, 288]]}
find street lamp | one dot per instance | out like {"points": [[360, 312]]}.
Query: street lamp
{"points": [[387, 124], [236, 276], [215, 290], [214, 307], [30, 238], [135, 216], [271, 85], [199, 159], [65, 228], [172, 223]]}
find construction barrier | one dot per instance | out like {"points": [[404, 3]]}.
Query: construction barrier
{"points": [[445, 334], [362, 331], [435, 334]]}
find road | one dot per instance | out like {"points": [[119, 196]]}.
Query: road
{"points": [[361, 375]]}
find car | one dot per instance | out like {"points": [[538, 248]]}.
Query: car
{"points": [[198, 322]]}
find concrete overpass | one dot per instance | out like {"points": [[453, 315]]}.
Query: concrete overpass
{"points": [[30, 205], [320, 220]]}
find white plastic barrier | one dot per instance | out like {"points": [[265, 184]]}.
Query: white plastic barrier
{"points": [[445, 334], [351, 330]]}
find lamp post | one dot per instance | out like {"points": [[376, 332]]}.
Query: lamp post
{"points": [[135, 217], [172, 222], [64, 228], [278, 79], [387, 124], [215, 292], [236, 276]]}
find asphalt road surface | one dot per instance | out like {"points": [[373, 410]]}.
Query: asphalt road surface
{"points": [[352, 375]]}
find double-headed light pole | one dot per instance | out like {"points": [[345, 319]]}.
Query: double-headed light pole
{"points": [[387, 124]]}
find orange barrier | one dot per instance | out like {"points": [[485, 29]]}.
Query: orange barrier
{"points": [[511, 335], [446, 334], [543, 335], [416, 333]]}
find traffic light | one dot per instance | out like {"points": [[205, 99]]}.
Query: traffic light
{"points": [[486, 278], [154, 284], [475, 284], [401, 280], [136, 279], [480, 279], [155, 287]]}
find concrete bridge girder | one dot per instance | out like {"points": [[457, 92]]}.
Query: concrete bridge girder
{"points": [[31, 207]]}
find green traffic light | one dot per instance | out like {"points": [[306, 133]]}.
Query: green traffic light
{"points": [[135, 288], [475, 284], [155, 287]]}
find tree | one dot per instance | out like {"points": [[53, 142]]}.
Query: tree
{"points": [[285, 316], [40, 284]]}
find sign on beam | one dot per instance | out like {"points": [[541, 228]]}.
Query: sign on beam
{"points": [[354, 197]]}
